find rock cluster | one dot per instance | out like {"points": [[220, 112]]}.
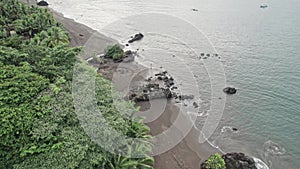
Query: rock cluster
{"points": [[153, 89], [238, 161]]}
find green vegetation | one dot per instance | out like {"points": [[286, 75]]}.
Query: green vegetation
{"points": [[39, 128], [115, 52], [215, 162]]}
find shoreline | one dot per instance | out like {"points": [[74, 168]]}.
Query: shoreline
{"points": [[183, 155], [188, 153]]}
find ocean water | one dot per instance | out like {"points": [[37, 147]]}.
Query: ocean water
{"points": [[259, 53]]}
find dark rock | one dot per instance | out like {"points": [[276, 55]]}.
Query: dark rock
{"points": [[149, 79], [208, 55], [194, 9], [128, 52], [168, 93], [234, 129], [202, 54], [195, 105], [81, 35], [136, 37], [174, 87], [238, 161], [126, 44], [42, 3], [185, 97], [169, 83], [118, 60], [229, 90], [161, 73]]}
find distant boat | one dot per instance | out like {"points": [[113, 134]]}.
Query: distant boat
{"points": [[263, 6]]}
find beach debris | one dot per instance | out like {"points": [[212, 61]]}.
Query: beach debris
{"points": [[42, 3], [230, 90], [126, 44], [136, 37], [194, 9], [81, 34], [234, 129]]}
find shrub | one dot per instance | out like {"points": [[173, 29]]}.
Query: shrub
{"points": [[215, 162], [114, 52]]}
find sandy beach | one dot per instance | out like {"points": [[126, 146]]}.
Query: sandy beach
{"points": [[188, 154], [183, 155]]}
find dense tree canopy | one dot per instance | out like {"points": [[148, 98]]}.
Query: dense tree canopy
{"points": [[38, 124]]}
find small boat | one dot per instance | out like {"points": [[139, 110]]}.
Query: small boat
{"points": [[263, 6]]}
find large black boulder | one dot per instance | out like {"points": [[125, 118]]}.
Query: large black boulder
{"points": [[42, 3], [230, 90], [136, 37]]}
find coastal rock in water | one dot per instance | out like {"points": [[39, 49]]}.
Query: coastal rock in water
{"points": [[238, 161], [229, 90], [42, 3], [136, 37]]}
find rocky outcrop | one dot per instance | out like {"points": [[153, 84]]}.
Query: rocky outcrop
{"points": [[155, 88], [238, 161], [230, 90], [136, 37]]}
